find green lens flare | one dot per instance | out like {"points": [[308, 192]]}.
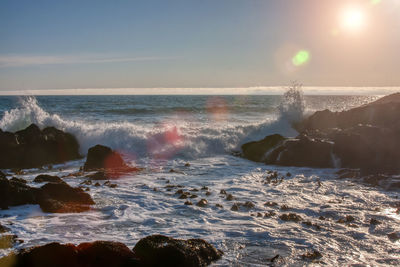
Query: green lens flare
{"points": [[375, 2], [301, 58]]}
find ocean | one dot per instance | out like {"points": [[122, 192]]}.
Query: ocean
{"points": [[197, 137]]}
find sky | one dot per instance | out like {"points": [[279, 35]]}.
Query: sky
{"points": [[198, 44]]}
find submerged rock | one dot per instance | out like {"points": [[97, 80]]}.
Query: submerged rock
{"points": [[33, 148], [159, 250], [47, 178]]}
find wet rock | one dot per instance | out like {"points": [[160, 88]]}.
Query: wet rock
{"points": [[3, 229], [106, 253], [202, 203], [112, 185], [57, 197], [235, 207], [183, 196], [248, 205], [193, 196], [270, 204], [204, 188], [103, 157], [97, 184], [100, 175], [311, 255], [374, 221], [180, 191], [346, 219], [34, 148], [269, 214], [48, 179], [229, 197], [86, 182], [219, 206], [15, 192], [310, 224], [187, 202], [259, 214], [257, 150], [292, 217], [285, 207], [288, 174], [18, 180], [394, 236], [187, 164], [222, 192], [208, 193], [159, 250], [53, 254]]}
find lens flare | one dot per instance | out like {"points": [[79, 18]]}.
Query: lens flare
{"points": [[352, 18], [375, 2], [301, 58]]}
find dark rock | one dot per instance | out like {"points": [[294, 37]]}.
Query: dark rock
{"points": [[47, 178], [382, 112], [270, 204], [105, 254], [285, 207], [394, 236], [235, 207], [159, 250], [33, 148], [222, 192], [18, 180], [60, 197], [102, 157], [290, 217], [50, 255], [187, 202], [257, 150], [229, 197], [202, 203], [311, 255], [100, 175], [3, 229], [248, 205]]}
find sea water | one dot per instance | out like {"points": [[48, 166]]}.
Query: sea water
{"points": [[164, 133]]}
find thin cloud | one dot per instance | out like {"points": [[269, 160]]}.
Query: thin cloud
{"points": [[23, 60]]}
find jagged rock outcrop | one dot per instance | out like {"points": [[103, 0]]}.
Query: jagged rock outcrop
{"points": [[32, 147], [367, 137]]}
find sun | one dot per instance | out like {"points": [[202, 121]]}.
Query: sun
{"points": [[352, 19]]}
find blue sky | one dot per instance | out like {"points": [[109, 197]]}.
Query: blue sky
{"points": [[207, 43]]}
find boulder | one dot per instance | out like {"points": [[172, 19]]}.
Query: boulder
{"points": [[33, 148], [102, 157], [50, 255], [257, 150], [52, 197], [42, 178], [105, 254], [159, 250], [61, 198], [300, 151]]}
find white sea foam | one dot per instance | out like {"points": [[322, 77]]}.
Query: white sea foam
{"points": [[180, 136]]}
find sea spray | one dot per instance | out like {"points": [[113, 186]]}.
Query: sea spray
{"points": [[177, 136]]}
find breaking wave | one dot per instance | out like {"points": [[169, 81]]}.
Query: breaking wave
{"points": [[174, 138]]}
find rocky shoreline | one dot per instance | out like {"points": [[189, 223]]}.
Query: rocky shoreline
{"points": [[365, 139]]}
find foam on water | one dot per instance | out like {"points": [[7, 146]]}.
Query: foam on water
{"points": [[181, 136], [141, 204]]}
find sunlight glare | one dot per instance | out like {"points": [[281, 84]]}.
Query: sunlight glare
{"points": [[352, 19]]}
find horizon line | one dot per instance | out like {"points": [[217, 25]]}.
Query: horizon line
{"points": [[254, 90]]}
